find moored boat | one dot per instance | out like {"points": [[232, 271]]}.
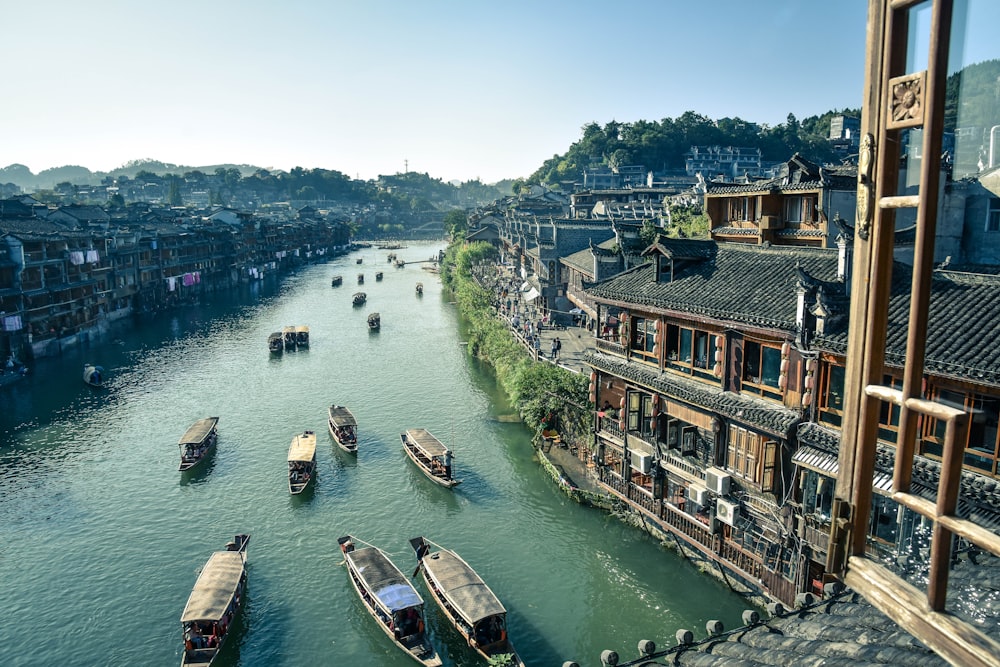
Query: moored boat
{"points": [[214, 602], [289, 335], [361, 279], [93, 375], [467, 602], [378, 276], [275, 342], [359, 298], [301, 462], [420, 289], [389, 598], [430, 455], [198, 442], [360, 260], [343, 428], [374, 321], [302, 335], [336, 281]]}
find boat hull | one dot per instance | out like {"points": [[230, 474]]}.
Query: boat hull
{"points": [[487, 648], [421, 651], [199, 656], [414, 455]]}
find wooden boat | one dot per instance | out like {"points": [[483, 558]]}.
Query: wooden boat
{"points": [[360, 298], [359, 260], [302, 335], [399, 263], [378, 276], [343, 428], [275, 342], [430, 455], [389, 598], [289, 335], [361, 279], [467, 601], [420, 289], [93, 375], [374, 321], [214, 602], [336, 281], [198, 442], [301, 462]]}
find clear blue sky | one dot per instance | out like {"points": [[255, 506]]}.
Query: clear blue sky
{"points": [[458, 89]]}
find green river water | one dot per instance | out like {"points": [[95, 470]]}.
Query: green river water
{"points": [[101, 538]]}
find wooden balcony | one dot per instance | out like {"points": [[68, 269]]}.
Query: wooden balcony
{"points": [[609, 346]]}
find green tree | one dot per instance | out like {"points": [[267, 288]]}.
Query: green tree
{"points": [[456, 223]]}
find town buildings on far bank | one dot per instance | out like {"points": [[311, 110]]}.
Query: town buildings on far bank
{"points": [[67, 272]]}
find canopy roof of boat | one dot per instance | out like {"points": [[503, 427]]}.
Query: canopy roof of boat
{"points": [[427, 442], [341, 416], [384, 579], [215, 587], [198, 431], [303, 447], [276, 334], [288, 329], [467, 593], [302, 329]]}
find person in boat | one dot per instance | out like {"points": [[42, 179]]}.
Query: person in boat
{"points": [[447, 464]]}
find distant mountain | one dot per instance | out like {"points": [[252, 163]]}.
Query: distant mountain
{"points": [[48, 178]]}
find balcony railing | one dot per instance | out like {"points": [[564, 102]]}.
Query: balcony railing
{"points": [[609, 346]]}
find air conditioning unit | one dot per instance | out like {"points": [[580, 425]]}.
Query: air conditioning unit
{"points": [[642, 462], [770, 222], [727, 511], [697, 494], [717, 481]]}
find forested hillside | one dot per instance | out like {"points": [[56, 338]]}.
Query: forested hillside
{"points": [[661, 145]]}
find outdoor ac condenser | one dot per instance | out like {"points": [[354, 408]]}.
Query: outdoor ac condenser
{"points": [[727, 511]]}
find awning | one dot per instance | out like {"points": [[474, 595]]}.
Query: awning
{"points": [[525, 286], [827, 464], [532, 294]]}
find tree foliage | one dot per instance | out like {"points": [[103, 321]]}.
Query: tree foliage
{"points": [[662, 145], [536, 389]]}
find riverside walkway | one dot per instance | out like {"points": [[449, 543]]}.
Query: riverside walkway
{"points": [[529, 325]]}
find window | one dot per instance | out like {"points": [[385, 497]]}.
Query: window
{"points": [[888, 429], [982, 449], [799, 210], [643, 332], [632, 411], [761, 369], [751, 457], [742, 209], [831, 396], [993, 215], [691, 351]]}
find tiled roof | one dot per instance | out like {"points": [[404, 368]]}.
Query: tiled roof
{"points": [[771, 417], [755, 285], [960, 302]]}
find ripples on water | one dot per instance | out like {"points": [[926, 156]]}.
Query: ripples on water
{"points": [[101, 538]]}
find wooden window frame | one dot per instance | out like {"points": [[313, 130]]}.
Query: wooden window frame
{"points": [[756, 384]]}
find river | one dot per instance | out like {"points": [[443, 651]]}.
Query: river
{"points": [[101, 538]]}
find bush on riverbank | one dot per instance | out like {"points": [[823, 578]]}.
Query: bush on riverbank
{"points": [[538, 391]]}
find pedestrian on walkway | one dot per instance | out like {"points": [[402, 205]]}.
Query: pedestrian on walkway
{"points": [[555, 347], [558, 346]]}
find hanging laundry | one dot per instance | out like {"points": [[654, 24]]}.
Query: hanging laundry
{"points": [[93, 257], [188, 280], [12, 323], [171, 284], [76, 258]]}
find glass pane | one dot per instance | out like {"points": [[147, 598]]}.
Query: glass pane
{"points": [[751, 362], [685, 348], [771, 366], [835, 388]]}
